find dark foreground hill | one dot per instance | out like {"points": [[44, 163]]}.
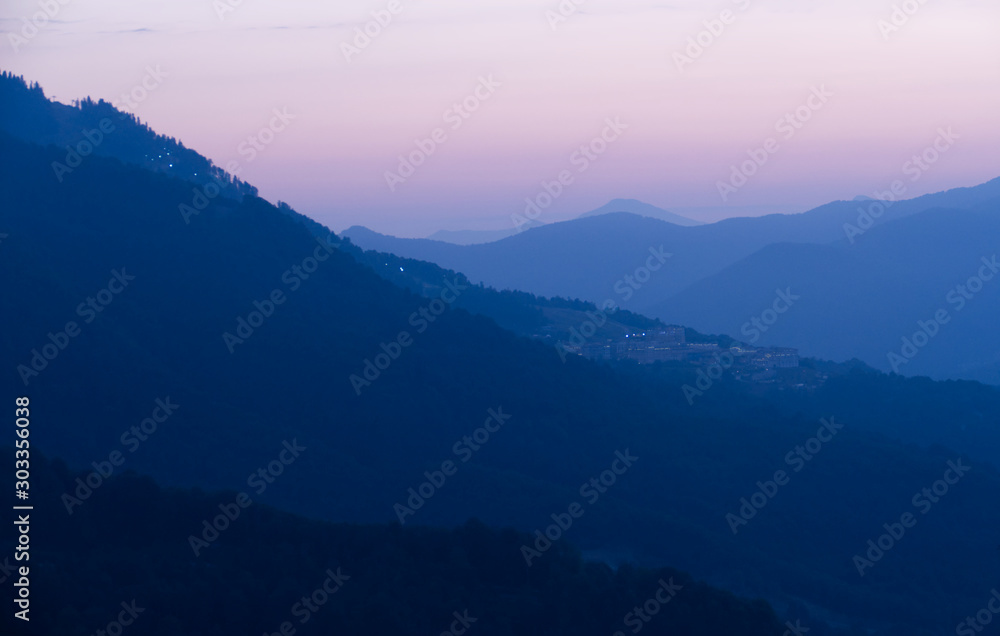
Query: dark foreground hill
{"points": [[127, 559]]}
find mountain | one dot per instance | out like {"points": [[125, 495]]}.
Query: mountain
{"points": [[867, 397], [667, 271], [590, 258], [331, 578], [260, 337], [860, 393], [88, 128], [634, 206], [548, 319], [732, 210], [476, 237], [470, 237], [862, 300]]}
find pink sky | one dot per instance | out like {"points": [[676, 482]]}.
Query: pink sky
{"points": [[892, 91]]}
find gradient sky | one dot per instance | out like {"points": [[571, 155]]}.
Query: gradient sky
{"points": [[611, 58]]}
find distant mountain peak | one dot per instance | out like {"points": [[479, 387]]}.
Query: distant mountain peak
{"points": [[476, 237], [635, 206]]}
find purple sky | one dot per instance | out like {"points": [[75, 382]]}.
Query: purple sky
{"points": [[561, 77]]}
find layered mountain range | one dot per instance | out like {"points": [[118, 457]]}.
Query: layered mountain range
{"points": [[226, 344]]}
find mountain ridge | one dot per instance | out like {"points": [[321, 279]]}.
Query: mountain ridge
{"points": [[641, 208]]}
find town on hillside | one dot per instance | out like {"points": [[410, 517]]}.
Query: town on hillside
{"points": [[669, 344]]}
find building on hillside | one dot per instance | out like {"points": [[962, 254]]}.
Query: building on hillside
{"points": [[662, 345], [597, 351], [669, 344], [775, 358]]}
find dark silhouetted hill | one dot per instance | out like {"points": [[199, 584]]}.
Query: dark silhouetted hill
{"points": [[130, 549]]}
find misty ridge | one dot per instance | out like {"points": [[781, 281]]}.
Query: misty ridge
{"points": [[915, 259], [228, 418]]}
